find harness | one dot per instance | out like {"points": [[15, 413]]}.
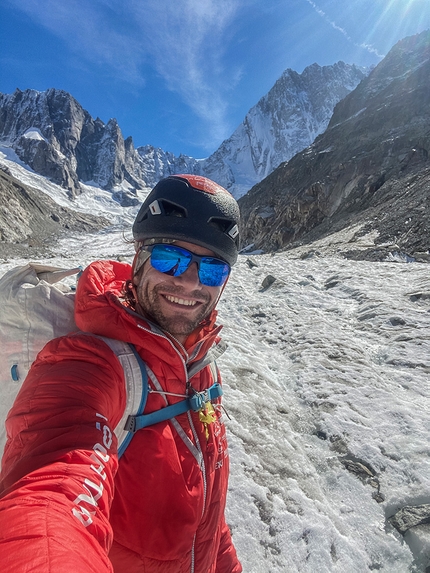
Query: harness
{"points": [[136, 377]]}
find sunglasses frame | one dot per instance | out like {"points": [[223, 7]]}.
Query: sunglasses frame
{"points": [[194, 259]]}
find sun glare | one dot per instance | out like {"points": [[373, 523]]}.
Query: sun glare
{"points": [[393, 20]]}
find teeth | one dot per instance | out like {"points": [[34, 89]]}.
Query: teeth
{"points": [[181, 301]]}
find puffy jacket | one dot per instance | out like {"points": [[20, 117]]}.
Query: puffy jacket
{"points": [[67, 504]]}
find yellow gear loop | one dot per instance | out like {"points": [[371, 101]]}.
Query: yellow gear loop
{"points": [[207, 416]]}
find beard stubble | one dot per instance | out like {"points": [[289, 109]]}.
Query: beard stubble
{"points": [[150, 302]]}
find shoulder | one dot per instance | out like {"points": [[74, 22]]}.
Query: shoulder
{"points": [[79, 367], [102, 276], [79, 346]]}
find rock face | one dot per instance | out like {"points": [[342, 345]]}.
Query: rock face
{"points": [[55, 136], [295, 111], [28, 218], [158, 164], [411, 516], [370, 165]]}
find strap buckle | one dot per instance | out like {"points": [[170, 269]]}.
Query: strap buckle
{"points": [[130, 425], [198, 400]]}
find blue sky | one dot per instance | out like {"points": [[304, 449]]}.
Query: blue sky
{"points": [[182, 74]]}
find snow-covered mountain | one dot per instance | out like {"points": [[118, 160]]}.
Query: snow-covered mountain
{"points": [[370, 166], [57, 138], [158, 163], [295, 111]]}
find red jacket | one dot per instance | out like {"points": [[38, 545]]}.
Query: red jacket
{"points": [[66, 504]]}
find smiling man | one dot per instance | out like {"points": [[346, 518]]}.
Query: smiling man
{"points": [[178, 301], [67, 502]]}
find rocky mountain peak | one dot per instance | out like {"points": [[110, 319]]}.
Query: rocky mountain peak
{"points": [[376, 145], [286, 120], [406, 57], [55, 136]]}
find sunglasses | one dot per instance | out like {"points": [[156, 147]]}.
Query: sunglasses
{"points": [[174, 261]]}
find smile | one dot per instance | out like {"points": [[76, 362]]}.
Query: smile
{"points": [[181, 301]]}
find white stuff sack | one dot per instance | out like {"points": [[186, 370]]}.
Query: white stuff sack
{"points": [[34, 308]]}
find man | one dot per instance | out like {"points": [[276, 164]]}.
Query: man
{"points": [[67, 504]]}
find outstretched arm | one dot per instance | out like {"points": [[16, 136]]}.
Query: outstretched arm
{"points": [[60, 461]]}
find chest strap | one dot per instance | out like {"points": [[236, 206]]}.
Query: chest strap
{"points": [[195, 402]]}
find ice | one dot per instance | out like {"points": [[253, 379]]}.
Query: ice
{"points": [[329, 363]]}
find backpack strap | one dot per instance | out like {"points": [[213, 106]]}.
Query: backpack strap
{"points": [[195, 402], [136, 380]]}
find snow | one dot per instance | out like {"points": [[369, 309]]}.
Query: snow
{"points": [[34, 133], [329, 363], [27, 176], [327, 366], [92, 200]]}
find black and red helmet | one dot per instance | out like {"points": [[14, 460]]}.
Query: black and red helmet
{"points": [[194, 209]]}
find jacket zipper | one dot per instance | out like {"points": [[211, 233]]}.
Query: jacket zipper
{"points": [[203, 470], [197, 446]]}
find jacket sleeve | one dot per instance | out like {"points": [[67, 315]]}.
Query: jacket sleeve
{"points": [[227, 561], [58, 468]]}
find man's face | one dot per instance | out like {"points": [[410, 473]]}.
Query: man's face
{"points": [[176, 304]]}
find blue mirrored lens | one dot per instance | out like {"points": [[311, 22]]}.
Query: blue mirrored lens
{"points": [[174, 261], [213, 272], [170, 260]]}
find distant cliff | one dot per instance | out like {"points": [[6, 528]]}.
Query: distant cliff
{"points": [[295, 111], [371, 164], [57, 138]]}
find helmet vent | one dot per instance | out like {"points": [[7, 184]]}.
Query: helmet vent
{"points": [[221, 224], [234, 231], [172, 210]]}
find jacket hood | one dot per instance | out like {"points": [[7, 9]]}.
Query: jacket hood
{"points": [[100, 309]]}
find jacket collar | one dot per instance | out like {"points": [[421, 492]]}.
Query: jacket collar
{"points": [[99, 309]]}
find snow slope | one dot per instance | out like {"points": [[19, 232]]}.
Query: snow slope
{"points": [[331, 363], [328, 364], [92, 200]]}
